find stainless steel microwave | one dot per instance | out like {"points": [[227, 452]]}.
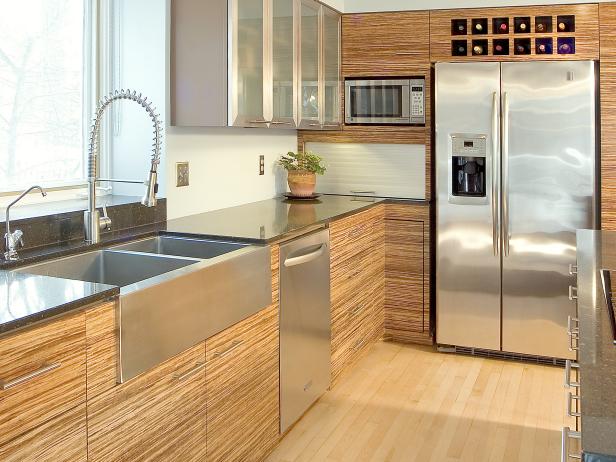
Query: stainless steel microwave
{"points": [[382, 102]]}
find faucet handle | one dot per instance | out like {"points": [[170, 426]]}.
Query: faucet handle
{"points": [[105, 221], [18, 236]]}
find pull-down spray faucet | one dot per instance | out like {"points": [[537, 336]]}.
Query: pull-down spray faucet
{"points": [[92, 219]]}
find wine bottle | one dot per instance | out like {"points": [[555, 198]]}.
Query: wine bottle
{"points": [[478, 27], [520, 49], [461, 27], [498, 48], [564, 48], [541, 27], [542, 49], [462, 50], [478, 50], [503, 27], [523, 26], [562, 26]]}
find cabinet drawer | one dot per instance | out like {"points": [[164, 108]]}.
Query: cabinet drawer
{"points": [[242, 389], [351, 235], [43, 374], [159, 415], [354, 274], [61, 439]]}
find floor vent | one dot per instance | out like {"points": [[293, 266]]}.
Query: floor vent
{"points": [[503, 355]]}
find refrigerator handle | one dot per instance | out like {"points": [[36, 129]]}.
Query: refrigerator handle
{"points": [[495, 176], [505, 174]]}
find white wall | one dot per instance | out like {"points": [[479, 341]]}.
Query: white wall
{"points": [[224, 167], [360, 6]]}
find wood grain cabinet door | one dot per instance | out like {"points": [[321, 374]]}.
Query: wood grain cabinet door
{"points": [[242, 389], [385, 44], [157, 416], [42, 374]]}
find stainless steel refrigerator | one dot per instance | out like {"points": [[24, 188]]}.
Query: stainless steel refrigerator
{"points": [[515, 178]]}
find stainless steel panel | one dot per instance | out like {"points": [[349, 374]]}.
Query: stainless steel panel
{"points": [[305, 324], [548, 195], [467, 269]]}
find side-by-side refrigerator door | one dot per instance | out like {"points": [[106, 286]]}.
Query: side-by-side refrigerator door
{"points": [[548, 157], [467, 164]]}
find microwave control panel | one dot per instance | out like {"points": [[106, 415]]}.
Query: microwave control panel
{"points": [[418, 103]]}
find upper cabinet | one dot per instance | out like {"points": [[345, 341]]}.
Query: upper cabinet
{"points": [[281, 61]]}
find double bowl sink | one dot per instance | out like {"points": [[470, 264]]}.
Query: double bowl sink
{"points": [[174, 292]]}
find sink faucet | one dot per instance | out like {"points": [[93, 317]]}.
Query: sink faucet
{"points": [[93, 224], [13, 240]]}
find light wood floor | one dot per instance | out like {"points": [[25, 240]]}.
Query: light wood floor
{"points": [[408, 403]]}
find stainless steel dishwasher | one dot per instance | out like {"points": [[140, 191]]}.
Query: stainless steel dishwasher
{"points": [[305, 324]]}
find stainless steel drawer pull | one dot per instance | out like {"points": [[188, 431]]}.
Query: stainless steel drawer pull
{"points": [[234, 345], [189, 373], [258, 121], [573, 293], [573, 269], [567, 436], [571, 398], [5, 385], [277, 122], [331, 125], [569, 365]]}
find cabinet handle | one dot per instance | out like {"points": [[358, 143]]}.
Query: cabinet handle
{"points": [[331, 125], [565, 451], [573, 269], [181, 377], [6, 384], [570, 400], [568, 366], [234, 345], [276, 122], [259, 121], [573, 293]]}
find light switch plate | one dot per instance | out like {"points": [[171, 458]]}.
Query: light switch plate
{"points": [[181, 174]]}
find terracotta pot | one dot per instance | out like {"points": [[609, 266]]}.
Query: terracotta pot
{"points": [[302, 214], [302, 183]]}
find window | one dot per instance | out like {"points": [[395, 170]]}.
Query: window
{"points": [[45, 92]]}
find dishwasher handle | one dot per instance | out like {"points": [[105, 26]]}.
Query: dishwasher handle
{"points": [[306, 257]]}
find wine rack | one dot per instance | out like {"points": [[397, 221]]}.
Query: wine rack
{"points": [[516, 33]]}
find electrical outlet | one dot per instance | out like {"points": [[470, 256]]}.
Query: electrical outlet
{"points": [[181, 174], [261, 164]]}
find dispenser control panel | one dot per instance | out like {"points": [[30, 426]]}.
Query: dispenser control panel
{"points": [[468, 166]]}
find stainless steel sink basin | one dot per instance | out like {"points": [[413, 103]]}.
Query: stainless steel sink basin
{"points": [[171, 303], [109, 267], [182, 247]]}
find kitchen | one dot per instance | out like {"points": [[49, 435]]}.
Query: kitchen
{"points": [[176, 287]]}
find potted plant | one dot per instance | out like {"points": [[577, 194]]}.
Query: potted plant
{"points": [[302, 168]]}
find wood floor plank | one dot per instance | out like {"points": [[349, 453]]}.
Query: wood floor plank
{"points": [[410, 403]]}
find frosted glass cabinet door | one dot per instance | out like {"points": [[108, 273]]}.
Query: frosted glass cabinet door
{"points": [[309, 64], [284, 100], [247, 55], [331, 69]]}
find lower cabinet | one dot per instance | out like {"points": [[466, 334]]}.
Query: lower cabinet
{"points": [[158, 416], [357, 285], [242, 389], [407, 273]]}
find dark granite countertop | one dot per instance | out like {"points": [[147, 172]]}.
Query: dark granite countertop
{"points": [[270, 220], [26, 299], [596, 250]]}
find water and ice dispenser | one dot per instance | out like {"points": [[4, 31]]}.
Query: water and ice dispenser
{"points": [[468, 166]]}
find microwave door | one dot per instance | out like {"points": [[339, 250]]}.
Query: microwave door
{"points": [[377, 102]]}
